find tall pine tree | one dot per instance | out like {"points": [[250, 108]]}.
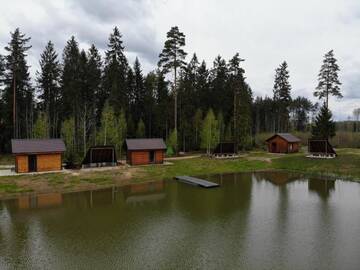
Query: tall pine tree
{"points": [[329, 84], [18, 93], [172, 59]]}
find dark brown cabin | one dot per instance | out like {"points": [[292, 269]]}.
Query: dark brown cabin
{"points": [[283, 143], [321, 148], [37, 155], [145, 151]]}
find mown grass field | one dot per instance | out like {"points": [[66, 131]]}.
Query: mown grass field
{"points": [[346, 165]]}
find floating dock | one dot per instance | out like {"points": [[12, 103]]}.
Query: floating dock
{"points": [[196, 181]]}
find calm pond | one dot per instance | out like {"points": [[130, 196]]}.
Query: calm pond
{"points": [[267, 220]]}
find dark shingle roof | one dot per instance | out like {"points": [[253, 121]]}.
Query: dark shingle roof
{"points": [[32, 146], [145, 144], [286, 136]]}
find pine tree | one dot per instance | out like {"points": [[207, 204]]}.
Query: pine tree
{"points": [[162, 106], [282, 97], [172, 58], [329, 84], [324, 127], [209, 132], [115, 71], [48, 80], [18, 93]]}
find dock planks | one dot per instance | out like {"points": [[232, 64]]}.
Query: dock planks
{"points": [[196, 181]]}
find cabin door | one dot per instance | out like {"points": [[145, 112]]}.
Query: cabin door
{"points": [[152, 156], [273, 147], [32, 163]]}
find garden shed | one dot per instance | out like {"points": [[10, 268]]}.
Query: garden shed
{"points": [[145, 151], [321, 149], [283, 143], [37, 155], [100, 156]]}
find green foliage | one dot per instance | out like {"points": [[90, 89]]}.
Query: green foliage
{"points": [[209, 132], [41, 127], [140, 131], [122, 130], [172, 142], [324, 127], [68, 135], [108, 133]]}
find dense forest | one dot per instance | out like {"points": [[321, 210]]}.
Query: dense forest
{"points": [[87, 99]]}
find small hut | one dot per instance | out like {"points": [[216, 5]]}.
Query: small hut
{"points": [[37, 155], [318, 148], [225, 150], [100, 156], [145, 151], [283, 143]]}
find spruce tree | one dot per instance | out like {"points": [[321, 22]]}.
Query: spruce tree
{"points": [[94, 75], [172, 59], [48, 79], [71, 88], [18, 96], [115, 71], [324, 127], [162, 106], [220, 95], [282, 97], [329, 84], [150, 86], [139, 93]]}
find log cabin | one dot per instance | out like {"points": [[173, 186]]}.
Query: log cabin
{"points": [[145, 151], [37, 155], [283, 143]]}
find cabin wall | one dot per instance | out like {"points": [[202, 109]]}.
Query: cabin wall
{"points": [[21, 164], [48, 162], [44, 162], [143, 157]]}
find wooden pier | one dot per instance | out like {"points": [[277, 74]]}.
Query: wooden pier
{"points": [[196, 181]]}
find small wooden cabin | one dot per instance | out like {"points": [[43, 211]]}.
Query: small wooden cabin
{"points": [[37, 155], [145, 151], [100, 156], [283, 143]]}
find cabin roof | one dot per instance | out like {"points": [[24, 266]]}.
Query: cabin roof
{"points": [[145, 144], [286, 136], [32, 146]]}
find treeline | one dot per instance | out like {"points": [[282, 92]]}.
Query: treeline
{"points": [[90, 100]]}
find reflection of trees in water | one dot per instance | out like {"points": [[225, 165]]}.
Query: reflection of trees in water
{"points": [[323, 188], [277, 178]]}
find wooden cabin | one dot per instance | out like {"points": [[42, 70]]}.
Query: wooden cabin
{"points": [[145, 151], [37, 155], [283, 143], [100, 156]]}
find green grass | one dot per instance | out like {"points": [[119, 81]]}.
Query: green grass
{"points": [[202, 166], [346, 166]]}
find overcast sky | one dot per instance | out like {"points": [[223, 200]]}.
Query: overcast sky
{"points": [[264, 32]]}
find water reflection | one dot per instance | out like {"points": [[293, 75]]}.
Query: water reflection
{"points": [[253, 221], [324, 188]]}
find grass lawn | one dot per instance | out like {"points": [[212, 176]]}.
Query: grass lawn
{"points": [[346, 165]]}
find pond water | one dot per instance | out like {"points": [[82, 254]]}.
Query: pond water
{"points": [[267, 220]]}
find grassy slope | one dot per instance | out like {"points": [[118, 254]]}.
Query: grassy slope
{"points": [[347, 164]]}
